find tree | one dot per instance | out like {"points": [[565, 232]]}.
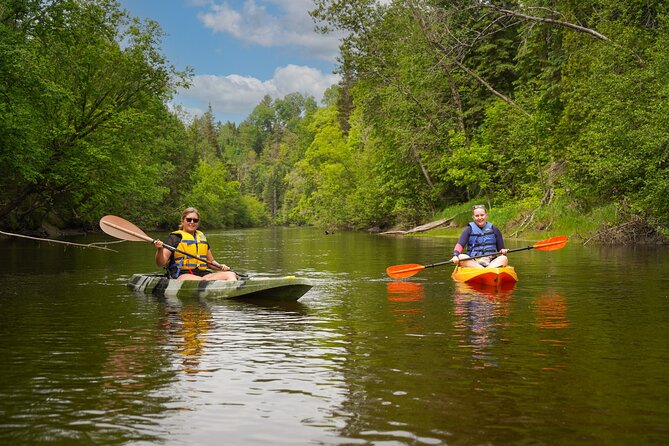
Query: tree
{"points": [[81, 104], [220, 200]]}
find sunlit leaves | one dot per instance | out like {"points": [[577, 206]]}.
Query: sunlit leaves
{"points": [[219, 200], [80, 123]]}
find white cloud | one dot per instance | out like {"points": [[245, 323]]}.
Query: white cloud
{"points": [[235, 95], [272, 23]]}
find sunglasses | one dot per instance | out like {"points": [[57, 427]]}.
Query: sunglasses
{"points": [[192, 220]]}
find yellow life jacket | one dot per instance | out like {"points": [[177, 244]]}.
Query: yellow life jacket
{"points": [[195, 245]]}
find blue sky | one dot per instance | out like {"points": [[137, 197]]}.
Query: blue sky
{"points": [[242, 50]]}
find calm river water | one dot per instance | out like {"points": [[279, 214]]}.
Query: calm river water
{"points": [[576, 354]]}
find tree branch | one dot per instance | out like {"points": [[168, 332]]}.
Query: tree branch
{"points": [[90, 245], [434, 42], [573, 26]]}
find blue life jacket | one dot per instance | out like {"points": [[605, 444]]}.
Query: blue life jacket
{"points": [[482, 240]]}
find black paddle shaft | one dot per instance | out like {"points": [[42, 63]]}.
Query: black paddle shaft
{"points": [[479, 256], [173, 249]]}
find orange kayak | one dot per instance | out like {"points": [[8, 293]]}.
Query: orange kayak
{"points": [[487, 276]]}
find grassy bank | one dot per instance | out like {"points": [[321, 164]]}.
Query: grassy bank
{"points": [[532, 220]]}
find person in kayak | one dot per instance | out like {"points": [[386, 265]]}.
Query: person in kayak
{"points": [[481, 238], [192, 241]]}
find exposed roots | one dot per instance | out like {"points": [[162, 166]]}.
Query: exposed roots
{"points": [[635, 231]]}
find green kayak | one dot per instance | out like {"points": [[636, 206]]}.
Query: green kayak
{"points": [[287, 288]]}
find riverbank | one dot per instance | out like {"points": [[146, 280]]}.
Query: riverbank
{"points": [[525, 220], [530, 220]]}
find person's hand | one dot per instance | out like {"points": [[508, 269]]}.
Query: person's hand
{"points": [[158, 244], [455, 259], [503, 251], [217, 265]]}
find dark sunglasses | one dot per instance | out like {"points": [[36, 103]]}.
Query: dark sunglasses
{"points": [[192, 220]]}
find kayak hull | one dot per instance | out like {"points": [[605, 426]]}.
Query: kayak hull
{"points": [[485, 276], [287, 288]]}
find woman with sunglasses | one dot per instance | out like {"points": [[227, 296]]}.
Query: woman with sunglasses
{"points": [[481, 238], [192, 241]]}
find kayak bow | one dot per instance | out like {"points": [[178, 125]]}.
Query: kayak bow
{"points": [[487, 276]]}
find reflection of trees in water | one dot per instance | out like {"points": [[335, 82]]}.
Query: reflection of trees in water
{"points": [[480, 310], [404, 299], [550, 313], [188, 326]]}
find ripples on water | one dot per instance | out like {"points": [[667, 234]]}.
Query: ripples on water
{"points": [[563, 357]]}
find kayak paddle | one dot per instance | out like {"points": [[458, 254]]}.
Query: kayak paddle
{"points": [[123, 229], [409, 269]]}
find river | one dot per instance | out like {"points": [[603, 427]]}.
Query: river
{"points": [[576, 353]]}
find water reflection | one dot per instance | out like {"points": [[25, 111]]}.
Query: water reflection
{"points": [[129, 402], [190, 325], [404, 299], [480, 311], [264, 369], [126, 361], [550, 310], [550, 313], [187, 326], [86, 362]]}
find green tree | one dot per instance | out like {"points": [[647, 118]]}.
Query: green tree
{"points": [[220, 201], [93, 77]]}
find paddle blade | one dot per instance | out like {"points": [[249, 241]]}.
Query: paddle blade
{"points": [[403, 271], [551, 244], [123, 229]]}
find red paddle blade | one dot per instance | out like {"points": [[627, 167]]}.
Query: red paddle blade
{"points": [[402, 271], [551, 244], [123, 229]]}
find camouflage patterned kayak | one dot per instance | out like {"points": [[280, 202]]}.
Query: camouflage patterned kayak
{"points": [[285, 288]]}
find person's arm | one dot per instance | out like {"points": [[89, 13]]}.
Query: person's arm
{"points": [[163, 254], [499, 240], [462, 242]]}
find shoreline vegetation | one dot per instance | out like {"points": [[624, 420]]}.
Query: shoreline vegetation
{"points": [[602, 227], [630, 233], [558, 128], [597, 228]]}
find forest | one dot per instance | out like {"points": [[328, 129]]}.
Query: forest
{"points": [[550, 109]]}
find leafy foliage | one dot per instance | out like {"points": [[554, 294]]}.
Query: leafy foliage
{"points": [[73, 142], [524, 104], [517, 101], [220, 201]]}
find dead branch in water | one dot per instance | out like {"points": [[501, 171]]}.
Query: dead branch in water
{"points": [[80, 245]]}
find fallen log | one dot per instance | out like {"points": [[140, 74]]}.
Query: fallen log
{"points": [[421, 228]]}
